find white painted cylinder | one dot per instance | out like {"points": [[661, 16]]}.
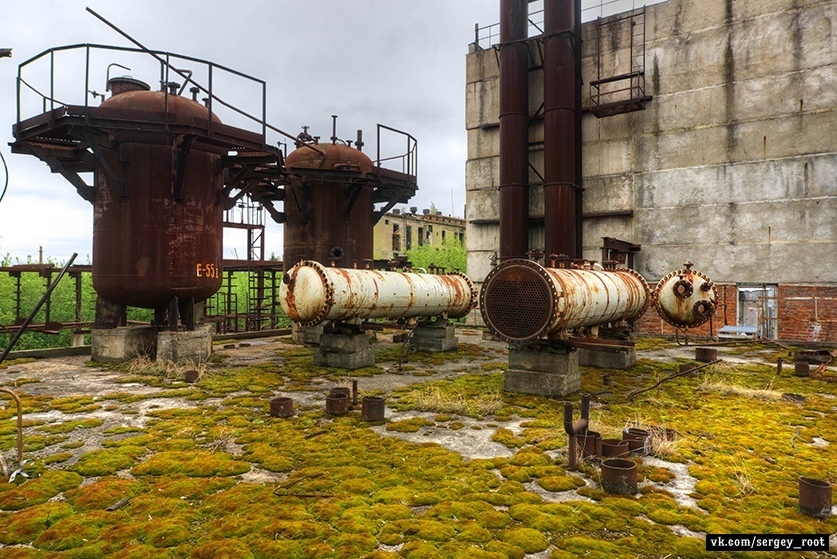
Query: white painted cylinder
{"points": [[522, 301], [312, 293], [685, 298]]}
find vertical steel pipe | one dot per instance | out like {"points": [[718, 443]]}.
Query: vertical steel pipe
{"points": [[514, 129], [561, 111]]}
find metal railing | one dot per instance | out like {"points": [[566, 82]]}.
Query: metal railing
{"points": [[488, 36], [408, 159], [168, 69]]}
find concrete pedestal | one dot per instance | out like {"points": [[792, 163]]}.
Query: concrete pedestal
{"points": [[434, 337], [345, 351], [623, 359], [183, 347], [114, 345], [306, 335], [550, 371]]}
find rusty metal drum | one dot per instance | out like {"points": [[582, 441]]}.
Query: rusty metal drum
{"points": [[159, 233], [328, 205], [522, 301], [685, 298], [312, 293]]}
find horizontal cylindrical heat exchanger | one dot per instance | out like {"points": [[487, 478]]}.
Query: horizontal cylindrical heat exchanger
{"points": [[311, 293], [522, 301]]}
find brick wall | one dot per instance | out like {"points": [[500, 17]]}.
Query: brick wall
{"points": [[650, 323], [807, 313]]}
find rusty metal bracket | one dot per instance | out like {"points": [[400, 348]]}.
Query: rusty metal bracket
{"points": [[577, 428], [119, 183], [84, 190]]}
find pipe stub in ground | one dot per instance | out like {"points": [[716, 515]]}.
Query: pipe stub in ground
{"points": [[814, 497], [612, 448], [802, 368], [637, 439], [337, 404], [706, 354], [282, 407], [619, 476], [372, 408], [591, 444], [191, 376]]}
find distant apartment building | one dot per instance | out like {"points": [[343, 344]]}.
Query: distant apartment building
{"points": [[399, 231]]}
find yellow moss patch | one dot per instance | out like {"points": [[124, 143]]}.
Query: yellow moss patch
{"points": [[197, 464], [39, 490], [25, 525]]}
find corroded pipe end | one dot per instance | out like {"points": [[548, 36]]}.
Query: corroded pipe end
{"points": [[306, 294]]}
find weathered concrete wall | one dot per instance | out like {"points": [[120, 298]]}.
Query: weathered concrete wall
{"points": [[733, 164]]}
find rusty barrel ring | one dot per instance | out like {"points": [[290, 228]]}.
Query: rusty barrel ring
{"points": [[329, 292], [713, 297], [645, 286], [474, 293], [551, 304]]}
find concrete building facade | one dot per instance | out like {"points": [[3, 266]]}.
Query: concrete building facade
{"points": [[732, 164], [398, 231]]}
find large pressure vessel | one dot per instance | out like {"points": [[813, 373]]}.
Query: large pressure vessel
{"points": [[328, 207], [312, 293], [522, 301], [159, 235], [685, 298]]}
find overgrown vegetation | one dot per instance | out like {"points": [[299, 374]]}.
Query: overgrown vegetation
{"points": [[451, 255], [16, 303], [202, 470]]}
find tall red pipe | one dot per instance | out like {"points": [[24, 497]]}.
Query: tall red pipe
{"points": [[514, 129], [562, 145]]}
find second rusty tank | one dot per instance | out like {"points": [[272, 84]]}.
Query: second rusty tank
{"points": [[328, 204], [157, 227]]}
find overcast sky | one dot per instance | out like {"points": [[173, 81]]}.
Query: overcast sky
{"points": [[394, 62]]}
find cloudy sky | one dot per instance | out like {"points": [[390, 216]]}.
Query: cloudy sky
{"points": [[394, 62]]}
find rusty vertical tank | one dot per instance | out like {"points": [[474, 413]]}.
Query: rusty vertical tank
{"points": [[328, 204], [157, 226]]}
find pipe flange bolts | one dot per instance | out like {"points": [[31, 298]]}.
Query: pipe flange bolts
{"points": [[685, 298]]}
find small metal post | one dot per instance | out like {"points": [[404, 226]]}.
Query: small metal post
{"points": [[577, 428]]}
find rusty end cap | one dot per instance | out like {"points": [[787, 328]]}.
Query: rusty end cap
{"points": [[518, 300], [472, 288], [645, 286], [710, 295], [329, 292]]}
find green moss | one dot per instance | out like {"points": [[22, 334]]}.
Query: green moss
{"points": [[196, 464], [57, 458], [560, 483], [410, 425], [102, 493], [74, 404], [108, 461], [227, 548], [25, 525], [39, 490], [71, 531]]}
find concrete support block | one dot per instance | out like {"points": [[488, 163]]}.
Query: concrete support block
{"points": [[345, 351], [185, 347], [607, 359], [306, 335], [434, 337], [549, 371], [114, 345]]}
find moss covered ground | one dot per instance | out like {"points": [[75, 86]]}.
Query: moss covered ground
{"points": [[213, 475]]}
